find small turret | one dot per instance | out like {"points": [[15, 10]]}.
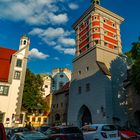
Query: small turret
{"points": [[24, 41], [95, 1]]}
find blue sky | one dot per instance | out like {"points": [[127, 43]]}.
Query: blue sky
{"points": [[48, 23]]}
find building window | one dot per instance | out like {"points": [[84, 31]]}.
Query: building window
{"points": [[79, 89], [105, 32], [19, 63], [87, 68], [61, 75], [17, 75], [96, 41], [4, 90], [1, 117], [33, 119], [79, 72], [87, 46], [39, 119], [95, 29], [104, 20], [61, 84], [115, 36], [53, 106], [57, 117], [61, 104], [113, 24], [24, 42], [46, 86], [105, 43], [87, 87]]}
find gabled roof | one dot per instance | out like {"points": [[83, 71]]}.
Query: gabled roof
{"points": [[5, 61]]}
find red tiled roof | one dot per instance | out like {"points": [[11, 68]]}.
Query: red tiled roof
{"points": [[5, 61]]}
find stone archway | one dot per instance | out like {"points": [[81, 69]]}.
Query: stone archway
{"points": [[84, 116]]}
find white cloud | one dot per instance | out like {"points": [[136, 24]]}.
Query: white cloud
{"points": [[67, 41], [34, 53], [36, 31], [53, 32], [59, 19], [70, 51], [34, 12], [73, 6], [53, 36]]}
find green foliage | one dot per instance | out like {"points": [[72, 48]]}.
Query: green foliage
{"points": [[32, 95], [134, 55]]}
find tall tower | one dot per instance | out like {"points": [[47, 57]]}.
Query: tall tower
{"points": [[98, 44]]}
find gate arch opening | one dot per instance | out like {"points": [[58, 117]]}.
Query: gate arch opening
{"points": [[84, 116]]}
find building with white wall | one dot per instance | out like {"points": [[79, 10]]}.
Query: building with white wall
{"points": [[12, 75]]}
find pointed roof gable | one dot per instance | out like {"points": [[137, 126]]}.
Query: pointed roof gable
{"points": [[5, 61]]}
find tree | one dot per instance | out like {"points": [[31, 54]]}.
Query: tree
{"points": [[134, 55], [32, 95]]}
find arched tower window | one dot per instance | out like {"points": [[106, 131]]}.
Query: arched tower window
{"points": [[24, 43]]}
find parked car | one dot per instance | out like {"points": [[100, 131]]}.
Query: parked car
{"points": [[30, 135], [127, 134], [2, 132], [11, 131], [43, 128], [100, 132], [137, 130], [65, 133], [59, 137]]}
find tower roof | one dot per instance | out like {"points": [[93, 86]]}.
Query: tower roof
{"points": [[25, 36]]}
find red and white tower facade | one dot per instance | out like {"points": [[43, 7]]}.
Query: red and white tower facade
{"points": [[100, 28], [98, 44]]}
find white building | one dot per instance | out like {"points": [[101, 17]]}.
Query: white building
{"points": [[12, 74]]}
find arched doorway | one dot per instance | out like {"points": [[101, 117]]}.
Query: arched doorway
{"points": [[84, 116]]}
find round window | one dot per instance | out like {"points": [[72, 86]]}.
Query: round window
{"points": [[61, 76]]}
